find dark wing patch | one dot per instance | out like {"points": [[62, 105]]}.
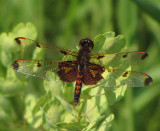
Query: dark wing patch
{"points": [[124, 56], [148, 81], [125, 74], [92, 74], [17, 40], [15, 65], [67, 71], [144, 55]]}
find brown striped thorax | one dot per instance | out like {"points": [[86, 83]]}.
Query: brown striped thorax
{"points": [[82, 70]]}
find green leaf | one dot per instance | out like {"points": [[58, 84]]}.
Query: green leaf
{"points": [[7, 113], [105, 123], [6, 41], [54, 89], [40, 103], [6, 47], [67, 106], [98, 42], [34, 120], [85, 93], [6, 58], [95, 123], [91, 110], [108, 43], [119, 93], [110, 95], [48, 120], [27, 30], [55, 85], [119, 87], [11, 85]]}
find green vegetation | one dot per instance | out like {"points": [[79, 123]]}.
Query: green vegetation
{"points": [[28, 103]]}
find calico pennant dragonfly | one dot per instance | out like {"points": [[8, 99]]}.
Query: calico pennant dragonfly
{"points": [[82, 70]]}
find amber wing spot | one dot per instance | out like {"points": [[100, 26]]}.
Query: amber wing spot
{"points": [[148, 81], [15, 65], [38, 64], [124, 56], [67, 69], [125, 74], [93, 73], [17, 41], [144, 56]]}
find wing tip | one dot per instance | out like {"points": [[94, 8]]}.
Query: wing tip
{"points": [[17, 40], [15, 65], [144, 56], [148, 81]]}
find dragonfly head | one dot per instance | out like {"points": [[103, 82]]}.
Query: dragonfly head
{"points": [[86, 44]]}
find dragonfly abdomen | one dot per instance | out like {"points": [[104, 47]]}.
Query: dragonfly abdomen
{"points": [[78, 87]]}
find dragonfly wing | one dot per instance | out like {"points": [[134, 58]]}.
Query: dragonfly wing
{"points": [[117, 59], [25, 41], [92, 74], [68, 71], [124, 78], [37, 68]]}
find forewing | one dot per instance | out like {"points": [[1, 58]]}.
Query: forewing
{"points": [[118, 59], [123, 78], [68, 71], [92, 74], [37, 68], [25, 41]]}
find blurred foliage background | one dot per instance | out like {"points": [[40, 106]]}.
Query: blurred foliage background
{"points": [[64, 23]]}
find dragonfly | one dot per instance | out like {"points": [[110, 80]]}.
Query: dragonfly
{"points": [[83, 70]]}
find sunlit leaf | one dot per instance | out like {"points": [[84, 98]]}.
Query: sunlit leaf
{"points": [[103, 120], [109, 43], [67, 106], [95, 123], [27, 30], [35, 120]]}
